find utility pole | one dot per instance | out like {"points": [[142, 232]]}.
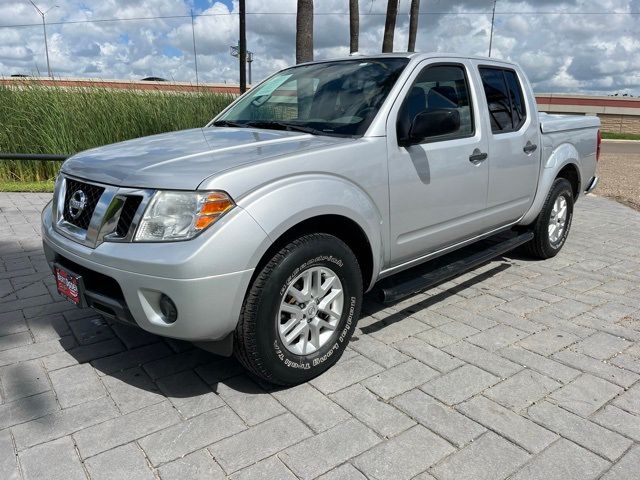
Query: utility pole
{"points": [[243, 47], [44, 28], [493, 19], [195, 54]]}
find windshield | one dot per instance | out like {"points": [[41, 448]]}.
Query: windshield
{"points": [[332, 98]]}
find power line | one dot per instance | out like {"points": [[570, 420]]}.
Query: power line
{"points": [[321, 14], [528, 12]]}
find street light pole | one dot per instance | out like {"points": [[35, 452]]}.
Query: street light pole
{"points": [[46, 46], [234, 50], [195, 54], [44, 29]]}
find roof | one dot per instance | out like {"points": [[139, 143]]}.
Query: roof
{"points": [[417, 56]]}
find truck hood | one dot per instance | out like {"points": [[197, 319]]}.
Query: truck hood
{"points": [[182, 160]]}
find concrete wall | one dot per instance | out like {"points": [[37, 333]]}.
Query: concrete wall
{"points": [[123, 84], [617, 114], [620, 123]]}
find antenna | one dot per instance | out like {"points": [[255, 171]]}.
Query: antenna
{"points": [[493, 19]]}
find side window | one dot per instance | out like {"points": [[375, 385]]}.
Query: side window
{"points": [[504, 99], [517, 99], [436, 88]]}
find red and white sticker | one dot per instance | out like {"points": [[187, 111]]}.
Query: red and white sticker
{"points": [[68, 285]]}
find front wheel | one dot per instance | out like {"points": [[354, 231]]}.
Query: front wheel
{"points": [[300, 311], [551, 228]]}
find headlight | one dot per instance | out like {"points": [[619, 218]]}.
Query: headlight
{"points": [[181, 215]]}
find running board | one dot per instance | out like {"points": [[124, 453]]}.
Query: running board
{"points": [[393, 292]]}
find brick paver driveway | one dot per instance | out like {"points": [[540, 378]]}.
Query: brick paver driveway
{"points": [[523, 369]]}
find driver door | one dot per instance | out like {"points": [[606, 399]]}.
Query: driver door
{"points": [[437, 187]]}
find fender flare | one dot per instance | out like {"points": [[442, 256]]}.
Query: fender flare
{"points": [[563, 155], [281, 205]]}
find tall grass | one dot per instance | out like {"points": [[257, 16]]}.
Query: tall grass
{"points": [[35, 119]]}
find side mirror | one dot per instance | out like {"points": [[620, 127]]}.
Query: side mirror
{"points": [[432, 123]]}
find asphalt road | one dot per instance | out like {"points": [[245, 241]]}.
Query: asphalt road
{"points": [[624, 148]]}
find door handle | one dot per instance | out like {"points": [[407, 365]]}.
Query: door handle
{"points": [[530, 148], [477, 156]]}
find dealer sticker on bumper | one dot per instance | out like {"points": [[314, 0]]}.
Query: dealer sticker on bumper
{"points": [[69, 285]]}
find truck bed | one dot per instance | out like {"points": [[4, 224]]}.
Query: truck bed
{"points": [[560, 123], [564, 134]]}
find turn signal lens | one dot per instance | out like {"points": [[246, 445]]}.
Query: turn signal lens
{"points": [[204, 222], [214, 205]]}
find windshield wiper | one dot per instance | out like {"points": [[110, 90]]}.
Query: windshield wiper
{"points": [[285, 126], [228, 123]]}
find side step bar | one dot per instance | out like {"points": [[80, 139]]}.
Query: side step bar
{"points": [[393, 292]]}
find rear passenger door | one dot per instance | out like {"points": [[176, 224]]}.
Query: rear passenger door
{"points": [[514, 153]]}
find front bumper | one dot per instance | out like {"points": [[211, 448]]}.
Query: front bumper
{"points": [[208, 305]]}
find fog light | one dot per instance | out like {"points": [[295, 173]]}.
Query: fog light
{"points": [[168, 309]]}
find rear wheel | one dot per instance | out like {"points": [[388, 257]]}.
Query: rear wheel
{"points": [[551, 228], [300, 311]]}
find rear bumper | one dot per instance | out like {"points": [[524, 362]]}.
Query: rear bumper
{"points": [[593, 183], [208, 306]]}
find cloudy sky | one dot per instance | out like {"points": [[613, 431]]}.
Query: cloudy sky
{"points": [[564, 46]]}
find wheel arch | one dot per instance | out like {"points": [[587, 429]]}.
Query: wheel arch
{"points": [[563, 162], [340, 226], [324, 203], [571, 173]]}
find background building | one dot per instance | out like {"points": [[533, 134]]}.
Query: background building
{"points": [[618, 114]]}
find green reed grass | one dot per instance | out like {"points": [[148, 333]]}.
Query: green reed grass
{"points": [[35, 119]]}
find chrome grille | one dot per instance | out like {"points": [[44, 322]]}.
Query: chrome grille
{"points": [[92, 195], [127, 214], [102, 212]]}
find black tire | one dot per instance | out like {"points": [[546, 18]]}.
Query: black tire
{"points": [[541, 246], [257, 342]]}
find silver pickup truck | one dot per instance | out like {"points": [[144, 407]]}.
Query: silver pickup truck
{"points": [[260, 232]]}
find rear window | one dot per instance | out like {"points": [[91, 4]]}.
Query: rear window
{"points": [[505, 99]]}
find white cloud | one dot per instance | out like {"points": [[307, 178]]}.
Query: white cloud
{"points": [[574, 52]]}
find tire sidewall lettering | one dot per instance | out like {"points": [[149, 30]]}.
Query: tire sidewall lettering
{"points": [[309, 263]]}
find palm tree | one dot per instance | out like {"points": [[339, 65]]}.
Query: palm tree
{"points": [[304, 31], [413, 24], [390, 26], [354, 25]]}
